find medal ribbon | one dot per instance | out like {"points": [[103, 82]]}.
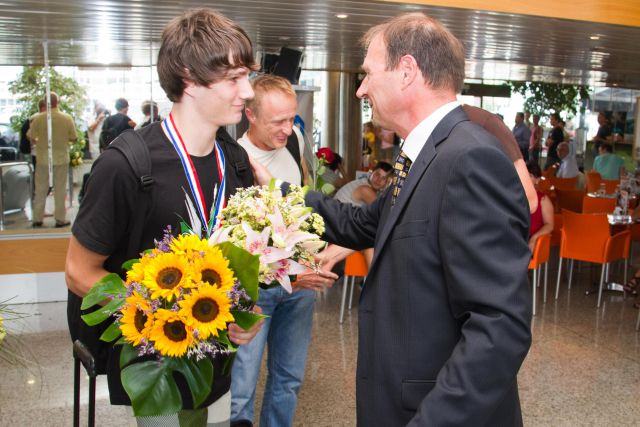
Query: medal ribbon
{"points": [[171, 131]]}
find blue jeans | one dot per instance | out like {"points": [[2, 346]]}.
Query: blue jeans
{"points": [[287, 332]]}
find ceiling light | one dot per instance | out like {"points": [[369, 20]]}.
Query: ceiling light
{"points": [[562, 73], [342, 16], [595, 37]]}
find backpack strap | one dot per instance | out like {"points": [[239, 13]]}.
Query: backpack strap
{"points": [[293, 146], [233, 153], [131, 145]]}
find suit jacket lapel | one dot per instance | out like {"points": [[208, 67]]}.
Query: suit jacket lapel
{"points": [[418, 168]]}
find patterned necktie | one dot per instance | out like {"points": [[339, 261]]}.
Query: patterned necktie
{"points": [[400, 171]]}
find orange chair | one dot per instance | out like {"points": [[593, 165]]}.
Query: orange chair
{"points": [[586, 237], [544, 185], [610, 185], [566, 184], [593, 180], [569, 199], [550, 172], [598, 205], [540, 257], [556, 234], [355, 266]]}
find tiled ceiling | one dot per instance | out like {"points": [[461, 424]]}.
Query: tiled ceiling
{"points": [[498, 45]]}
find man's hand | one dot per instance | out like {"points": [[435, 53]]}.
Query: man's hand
{"points": [[260, 173], [316, 281], [240, 336]]}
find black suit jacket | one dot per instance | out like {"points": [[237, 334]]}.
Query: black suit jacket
{"points": [[444, 316]]}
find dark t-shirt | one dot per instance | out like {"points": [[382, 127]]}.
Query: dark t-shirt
{"points": [[557, 136], [110, 204], [118, 122]]}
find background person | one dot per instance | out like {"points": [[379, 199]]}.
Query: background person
{"points": [[63, 133], [607, 164], [542, 218]]}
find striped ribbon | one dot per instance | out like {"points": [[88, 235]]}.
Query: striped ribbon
{"points": [[171, 131]]}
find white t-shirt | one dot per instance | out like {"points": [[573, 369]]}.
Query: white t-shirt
{"points": [[280, 162]]}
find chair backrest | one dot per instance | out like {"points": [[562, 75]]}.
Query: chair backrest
{"points": [[550, 171], [544, 185], [556, 234], [569, 199], [610, 185], [598, 205], [565, 183], [356, 265], [541, 251], [593, 179], [584, 236]]}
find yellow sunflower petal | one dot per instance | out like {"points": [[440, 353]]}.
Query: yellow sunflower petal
{"points": [[171, 334], [137, 320], [213, 269], [189, 244], [166, 274], [207, 310]]}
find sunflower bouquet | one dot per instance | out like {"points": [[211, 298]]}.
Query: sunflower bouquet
{"points": [[281, 230], [171, 314]]}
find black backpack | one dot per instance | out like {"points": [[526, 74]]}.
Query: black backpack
{"points": [[135, 150]]}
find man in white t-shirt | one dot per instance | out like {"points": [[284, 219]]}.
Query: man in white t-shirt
{"points": [[276, 143], [272, 139]]}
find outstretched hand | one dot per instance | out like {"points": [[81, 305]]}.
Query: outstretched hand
{"points": [[260, 173], [315, 280]]}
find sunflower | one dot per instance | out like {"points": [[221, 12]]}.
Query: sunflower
{"points": [[136, 274], [166, 274], [187, 244], [136, 321], [207, 310], [171, 334], [214, 270]]}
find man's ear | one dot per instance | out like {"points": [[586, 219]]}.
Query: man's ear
{"points": [[251, 116], [408, 66]]}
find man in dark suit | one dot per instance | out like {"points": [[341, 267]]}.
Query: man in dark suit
{"points": [[444, 316]]}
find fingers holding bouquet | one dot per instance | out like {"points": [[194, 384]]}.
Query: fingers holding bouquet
{"points": [[315, 280], [241, 336]]}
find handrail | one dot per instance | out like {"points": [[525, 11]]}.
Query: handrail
{"points": [[9, 164]]}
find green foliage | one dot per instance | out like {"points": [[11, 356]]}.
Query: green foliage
{"points": [[546, 98], [153, 390], [30, 87]]}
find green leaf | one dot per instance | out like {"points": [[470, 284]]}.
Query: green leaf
{"points": [[199, 377], [111, 333], [327, 188], [246, 319], [272, 184], [128, 354], [103, 313], [109, 285], [151, 388], [184, 228], [244, 265], [128, 265]]}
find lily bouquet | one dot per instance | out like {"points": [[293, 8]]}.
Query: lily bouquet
{"points": [[171, 314], [281, 230]]}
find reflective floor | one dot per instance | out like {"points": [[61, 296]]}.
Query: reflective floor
{"points": [[583, 367]]}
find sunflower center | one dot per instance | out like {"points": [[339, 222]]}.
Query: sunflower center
{"points": [[139, 320], [175, 331], [205, 310], [211, 277], [168, 278]]}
